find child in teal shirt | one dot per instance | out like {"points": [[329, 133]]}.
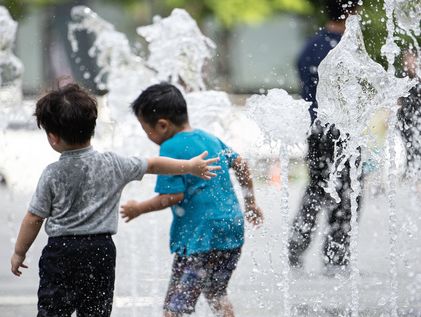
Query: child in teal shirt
{"points": [[207, 231]]}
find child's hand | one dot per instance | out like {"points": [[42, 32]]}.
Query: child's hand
{"points": [[254, 215], [17, 262], [201, 167], [130, 210]]}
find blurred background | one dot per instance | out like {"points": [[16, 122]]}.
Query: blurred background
{"points": [[257, 40]]}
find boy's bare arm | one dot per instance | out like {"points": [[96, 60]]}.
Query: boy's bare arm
{"points": [[29, 229], [197, 166], [132, 208], [253, 213]]}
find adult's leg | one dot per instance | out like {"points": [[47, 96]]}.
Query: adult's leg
{"points": [[337, 243], [413, 152], [407, 135], [319, 159], [409, 124], [304, 224]]}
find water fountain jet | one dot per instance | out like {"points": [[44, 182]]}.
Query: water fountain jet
{"points": [[284, 121], [11, 68], [351, 89]]}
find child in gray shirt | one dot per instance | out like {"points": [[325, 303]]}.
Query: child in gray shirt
{"points": [[79, 196]]}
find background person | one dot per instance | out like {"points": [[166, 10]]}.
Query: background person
{"points": [[321, 147], [409, 118]]}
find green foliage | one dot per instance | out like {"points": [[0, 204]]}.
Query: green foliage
{"points": [[19, 8], [233, 12], [374, 28]]}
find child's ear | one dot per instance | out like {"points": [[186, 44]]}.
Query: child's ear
{"points": [[53, 138], [163, 125]]}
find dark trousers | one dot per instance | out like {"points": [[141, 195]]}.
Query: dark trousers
{"points": [[320, 159], [77, 273], [409, 124]]}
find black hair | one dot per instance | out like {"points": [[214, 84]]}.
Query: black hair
{"points": [[69, 112], [161, 101], [340, 9]]}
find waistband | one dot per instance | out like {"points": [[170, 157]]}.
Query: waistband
{"points": [[97, 236]]}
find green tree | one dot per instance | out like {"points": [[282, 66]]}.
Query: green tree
{"points": [[232, 12]]}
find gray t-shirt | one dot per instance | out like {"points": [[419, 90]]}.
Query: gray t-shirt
{"points": [[80, 193]]}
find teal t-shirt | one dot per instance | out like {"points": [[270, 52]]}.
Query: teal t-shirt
{"points": [[210, 216]]}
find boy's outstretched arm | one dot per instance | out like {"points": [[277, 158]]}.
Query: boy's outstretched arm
{"points": [[254, 214], [29, 230], [132, 208], [197, 166]]}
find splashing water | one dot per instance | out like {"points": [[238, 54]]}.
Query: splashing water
{"points": [[123, 73], [212, 107], [178, 50], [408, 18], [287, 128], [11, 68], [390, 50], [290, 125], [352, 88]]}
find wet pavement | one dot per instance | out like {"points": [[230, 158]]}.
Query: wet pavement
{"points": [[143, 268], [143, 260]]}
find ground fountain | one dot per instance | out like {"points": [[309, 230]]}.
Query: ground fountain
{"points": [[11, 67], [178, 49], [284, 121], [15, 113], [407, 15], [352, 88], [114, 57]]}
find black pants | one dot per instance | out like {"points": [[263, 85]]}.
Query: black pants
{"points": [[409, 124], [77, 273], [320, 158]]}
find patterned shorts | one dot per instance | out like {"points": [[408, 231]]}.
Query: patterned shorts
{"points": [[208, 273]]}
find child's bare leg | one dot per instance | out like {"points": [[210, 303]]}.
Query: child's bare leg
{"points": [[221, 306]]}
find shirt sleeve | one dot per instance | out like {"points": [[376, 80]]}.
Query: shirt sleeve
{"points": [[132, 168], [41, 202], [169, 184], [228, 154]]}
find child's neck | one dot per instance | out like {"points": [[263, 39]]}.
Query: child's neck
{"points": [[182, 128], [174, 129], [71, 147]]}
